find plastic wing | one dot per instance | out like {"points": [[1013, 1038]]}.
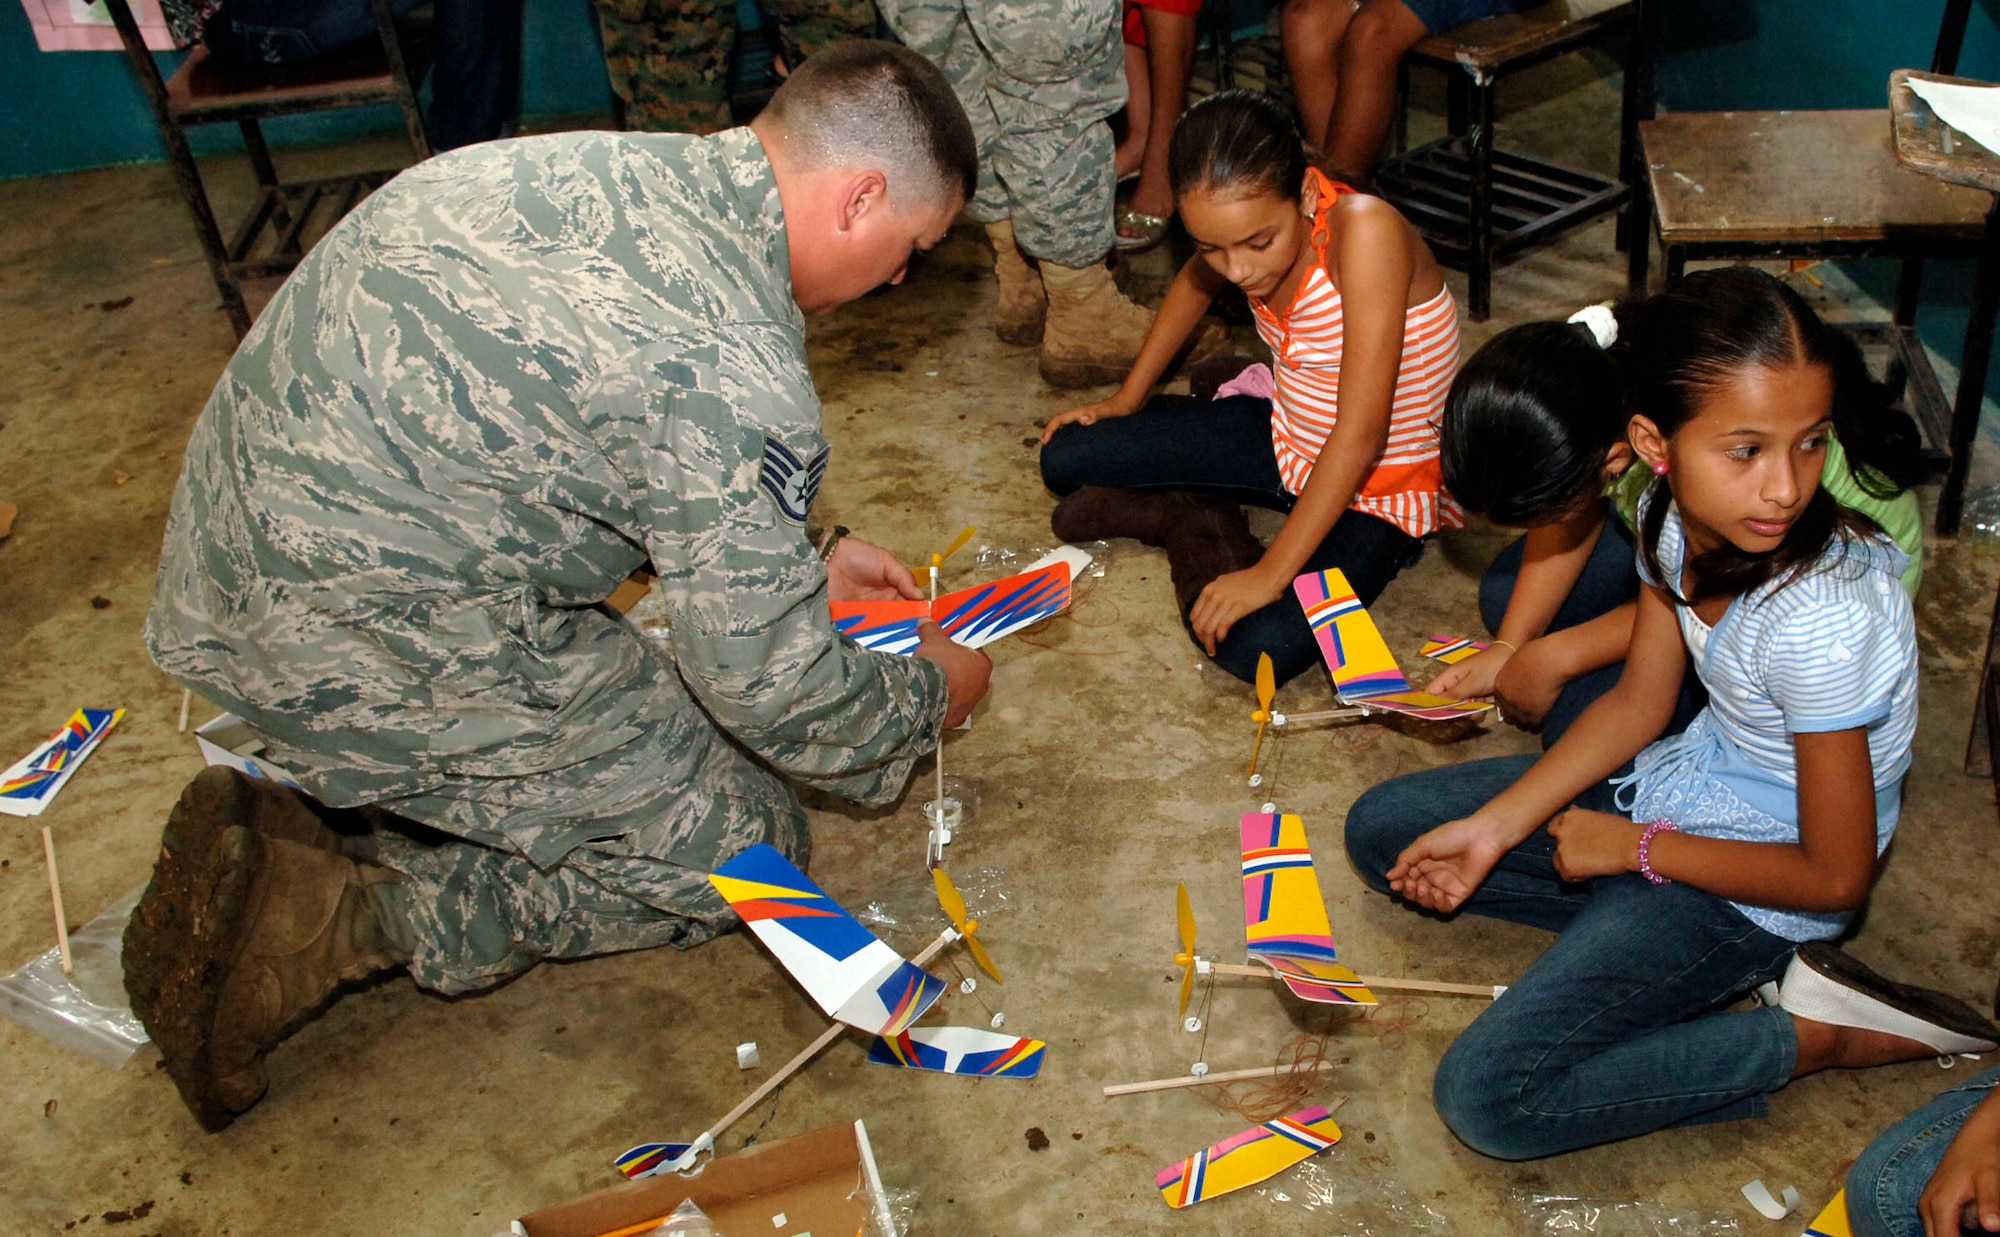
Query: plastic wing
{"points": [[1255, 1155], [647, 1159], [960, 1050], [1452, 651], [885, 626], [846, 970], [1284, 913], [27, 787], [1832, 1219], [977, 616], [1352, 645]]}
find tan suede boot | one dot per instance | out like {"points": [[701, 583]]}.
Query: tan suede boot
{"points": [[234, 943], [1024, 307], [1094, 333]]}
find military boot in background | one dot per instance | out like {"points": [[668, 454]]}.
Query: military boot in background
{"points": [[1094, 332], [1024, 306], [239, 935]]}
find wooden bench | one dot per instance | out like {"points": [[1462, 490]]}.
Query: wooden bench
{"points": [[1476, 204], [206, 91]]}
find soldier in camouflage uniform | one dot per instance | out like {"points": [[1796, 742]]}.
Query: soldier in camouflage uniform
{"points": [[512, 376], [1039, 79], [669, 59]]}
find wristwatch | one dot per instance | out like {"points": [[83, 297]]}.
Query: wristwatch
{"points": [[830, 540]]}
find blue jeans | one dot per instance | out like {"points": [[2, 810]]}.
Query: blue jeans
{"points": [[1614, 1031], [1885, 1183], [1609, 580], [475, 77], [1223, 447]]}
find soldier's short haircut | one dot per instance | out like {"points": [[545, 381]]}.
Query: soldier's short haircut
{"points": [[867, 103]]}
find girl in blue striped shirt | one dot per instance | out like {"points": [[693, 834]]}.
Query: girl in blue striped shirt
{"points": [[1693, 875]]}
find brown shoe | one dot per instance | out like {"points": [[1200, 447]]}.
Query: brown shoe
{"points": [[1210, 539], [234, 942], [1100, 513], [1024, 306]]}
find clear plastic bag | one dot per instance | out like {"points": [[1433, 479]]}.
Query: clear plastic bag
{"points": [[913, 906], [1008, 559], [1557, 1213], [88, 1009], [1354, 1203], [689, 1220], [893, 1217]]}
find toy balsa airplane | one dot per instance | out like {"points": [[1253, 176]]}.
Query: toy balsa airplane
{"points": [[1365, 673], [854, 977], [1257, 1154], [1286, 927], [974, 617], [1284, 920]]}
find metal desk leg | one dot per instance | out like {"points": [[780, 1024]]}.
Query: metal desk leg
{"points": [[1972, 376]]}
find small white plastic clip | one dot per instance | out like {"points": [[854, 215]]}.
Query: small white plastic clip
{"points": [[999, 1020], [746, 1056], [1199, 1069], [968, 985], [1191, 1024]]}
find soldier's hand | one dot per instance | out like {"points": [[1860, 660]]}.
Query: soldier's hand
{"points": [[862, 572], [966, 671]]}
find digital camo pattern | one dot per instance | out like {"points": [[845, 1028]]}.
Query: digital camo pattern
{"points": [[508, 378], [668, 60], [1038, 79]]}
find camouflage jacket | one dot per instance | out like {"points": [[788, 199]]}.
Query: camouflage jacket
{"points": [[511, 376]]}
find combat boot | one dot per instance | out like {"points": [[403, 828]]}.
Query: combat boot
{"points": [[1024, 306], [235, 943], [1094, 332]]}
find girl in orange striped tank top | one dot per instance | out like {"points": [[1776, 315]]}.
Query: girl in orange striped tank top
{"points": [[1364, 342]]}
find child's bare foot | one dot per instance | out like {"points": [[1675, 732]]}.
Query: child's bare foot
{"points": [[1848, 1017]]}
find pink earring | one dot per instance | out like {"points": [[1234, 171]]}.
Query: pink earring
{"points": [[1660, 468]]}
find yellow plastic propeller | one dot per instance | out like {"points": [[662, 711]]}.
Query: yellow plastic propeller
{"points": [[1185, 958], [1267, 687], [954, 909], [957, 544]]}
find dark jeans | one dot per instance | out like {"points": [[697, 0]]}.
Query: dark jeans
{"points": [[1885, 1183], [1223, 447], [1610, 579], [1614, 1031], [475, 78]]}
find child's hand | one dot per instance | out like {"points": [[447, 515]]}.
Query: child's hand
{"points": [[1226, 599], [1528, 684], [1441, 869], [1594, 844], [1087, 414], [1472, 677], [1964, 1192]]}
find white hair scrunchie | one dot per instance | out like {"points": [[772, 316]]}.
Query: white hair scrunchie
{"points": [[1602, 322]]}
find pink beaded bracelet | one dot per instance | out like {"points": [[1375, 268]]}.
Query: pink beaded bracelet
{"points": [[1646, 850]]}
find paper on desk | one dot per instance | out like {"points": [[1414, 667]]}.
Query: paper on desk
{"points": [[1972, 110]]}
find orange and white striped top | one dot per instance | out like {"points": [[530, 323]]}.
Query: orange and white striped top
{"points": [[1406, 486]]}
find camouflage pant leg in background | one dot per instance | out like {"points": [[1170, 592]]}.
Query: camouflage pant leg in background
{"points": [[483, 913], [669, 62], [1038, 78], [805, 26]]}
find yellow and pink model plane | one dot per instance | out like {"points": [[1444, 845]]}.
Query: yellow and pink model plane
{"points": [[857, 980]]}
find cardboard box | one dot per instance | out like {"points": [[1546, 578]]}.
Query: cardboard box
{"points": [[823, 1183], [228, 741]]}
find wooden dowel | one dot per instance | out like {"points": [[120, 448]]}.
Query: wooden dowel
{"points": [[1372, 981], [1325, 715], [1235, 1075], [55, 897], [187, 698]]}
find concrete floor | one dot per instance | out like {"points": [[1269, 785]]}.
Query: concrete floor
{"points": [[1110, 766]]}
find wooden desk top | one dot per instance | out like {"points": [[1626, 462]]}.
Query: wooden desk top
{"points": [[1796, 177], [1488, 45], [1928, 145]]}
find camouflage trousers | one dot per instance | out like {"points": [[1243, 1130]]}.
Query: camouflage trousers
{"points": [[1038, 78], [477, 910], [669, 59]]}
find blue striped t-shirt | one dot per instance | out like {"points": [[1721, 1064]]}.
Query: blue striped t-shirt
{"points": [[1832, 649]]}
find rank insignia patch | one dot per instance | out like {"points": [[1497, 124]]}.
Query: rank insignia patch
{"points": [[791, 481]]}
